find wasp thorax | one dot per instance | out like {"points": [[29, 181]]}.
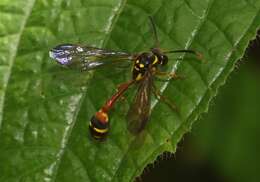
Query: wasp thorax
{"points": [[144, 60], [142, 63]]}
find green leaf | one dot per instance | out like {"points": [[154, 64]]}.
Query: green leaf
{"points": [[45, 109]]}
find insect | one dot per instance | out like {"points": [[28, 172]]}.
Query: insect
{"points": [[146, 66]]}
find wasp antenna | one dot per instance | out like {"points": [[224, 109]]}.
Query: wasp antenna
{"points": [[154, 31], [198, 54], [181, 51]]}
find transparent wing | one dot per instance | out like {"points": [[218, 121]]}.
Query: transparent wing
{"points": [[86, 57], [139, 111]]}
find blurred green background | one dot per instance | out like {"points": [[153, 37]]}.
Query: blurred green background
{"points": [[223, 146]]}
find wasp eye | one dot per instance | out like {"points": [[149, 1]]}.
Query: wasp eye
{"points": [[164, 59]]}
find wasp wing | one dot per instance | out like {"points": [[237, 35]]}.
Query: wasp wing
{"points": [[139, 111], [86, 57]]}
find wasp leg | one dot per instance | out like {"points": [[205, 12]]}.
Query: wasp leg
{"points": [[164, 99], [171, 75]]}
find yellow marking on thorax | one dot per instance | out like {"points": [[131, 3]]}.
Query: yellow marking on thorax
{"points": [[139, 77], [155, 60], [141, 65], [136, 68]]}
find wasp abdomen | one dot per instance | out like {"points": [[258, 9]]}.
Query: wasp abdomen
{"points": [[99, 125]]}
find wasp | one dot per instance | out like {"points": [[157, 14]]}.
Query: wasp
{"points": [[146, 66]]}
